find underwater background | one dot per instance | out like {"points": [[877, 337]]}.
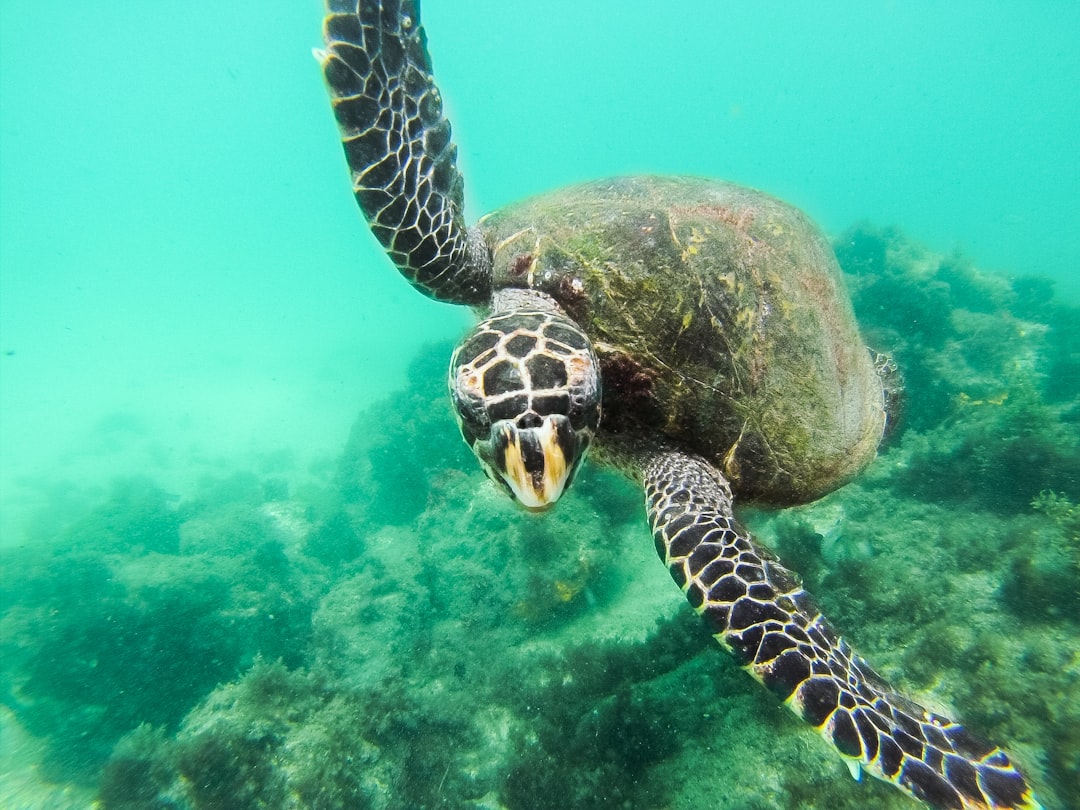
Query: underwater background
{"points": [[246, 560]]}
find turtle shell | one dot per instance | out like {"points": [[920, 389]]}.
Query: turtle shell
{"points": [[720, 319]]}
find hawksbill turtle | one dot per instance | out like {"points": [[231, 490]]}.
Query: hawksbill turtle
{"points": [[708, 324]]}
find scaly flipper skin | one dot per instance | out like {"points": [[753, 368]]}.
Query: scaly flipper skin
{"points": [[397, 144], [758, 610], [526, 383]]}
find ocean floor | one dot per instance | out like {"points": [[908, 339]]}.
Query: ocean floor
{"points": [[396, 634]]}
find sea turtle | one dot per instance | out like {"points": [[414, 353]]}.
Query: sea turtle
{"points": [[708, 323]]}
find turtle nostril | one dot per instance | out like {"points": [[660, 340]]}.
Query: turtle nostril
{"points": [[529, 419]]}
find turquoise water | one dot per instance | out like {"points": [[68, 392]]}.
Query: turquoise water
{"points": [[192, 314]]}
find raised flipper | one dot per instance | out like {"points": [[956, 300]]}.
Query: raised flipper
{"points": [[758, 610], [397, 144]]}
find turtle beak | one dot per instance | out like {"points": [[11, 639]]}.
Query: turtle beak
{"points": [[536, 463]]}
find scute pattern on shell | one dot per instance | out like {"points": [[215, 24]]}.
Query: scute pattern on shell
{"points": [[724, 311]]}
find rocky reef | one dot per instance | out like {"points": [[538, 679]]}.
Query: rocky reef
{"points": [[398, 635]]}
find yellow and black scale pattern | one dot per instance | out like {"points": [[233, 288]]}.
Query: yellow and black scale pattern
{"points": [[397, 144], [518, 364], [758, 610]]}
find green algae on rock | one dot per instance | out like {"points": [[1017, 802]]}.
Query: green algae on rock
{"points": [[710, 322], [534, 668]]}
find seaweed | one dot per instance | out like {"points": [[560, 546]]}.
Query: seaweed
{"points": [[398, 635], [101, 635], [137, 517]]}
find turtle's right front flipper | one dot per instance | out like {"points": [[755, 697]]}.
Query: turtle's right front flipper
{"points": [[397, 143], [758, 610]]}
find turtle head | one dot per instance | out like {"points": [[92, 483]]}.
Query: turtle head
{"points": [[526, 390]]}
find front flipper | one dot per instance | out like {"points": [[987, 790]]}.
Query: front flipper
{"points": [[397, 144], [758, 610]]}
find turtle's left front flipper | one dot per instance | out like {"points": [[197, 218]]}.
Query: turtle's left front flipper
{"points": [[758, 610], [397, 143]]}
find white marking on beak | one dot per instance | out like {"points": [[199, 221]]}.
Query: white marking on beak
{"points": [[530, 492]]}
